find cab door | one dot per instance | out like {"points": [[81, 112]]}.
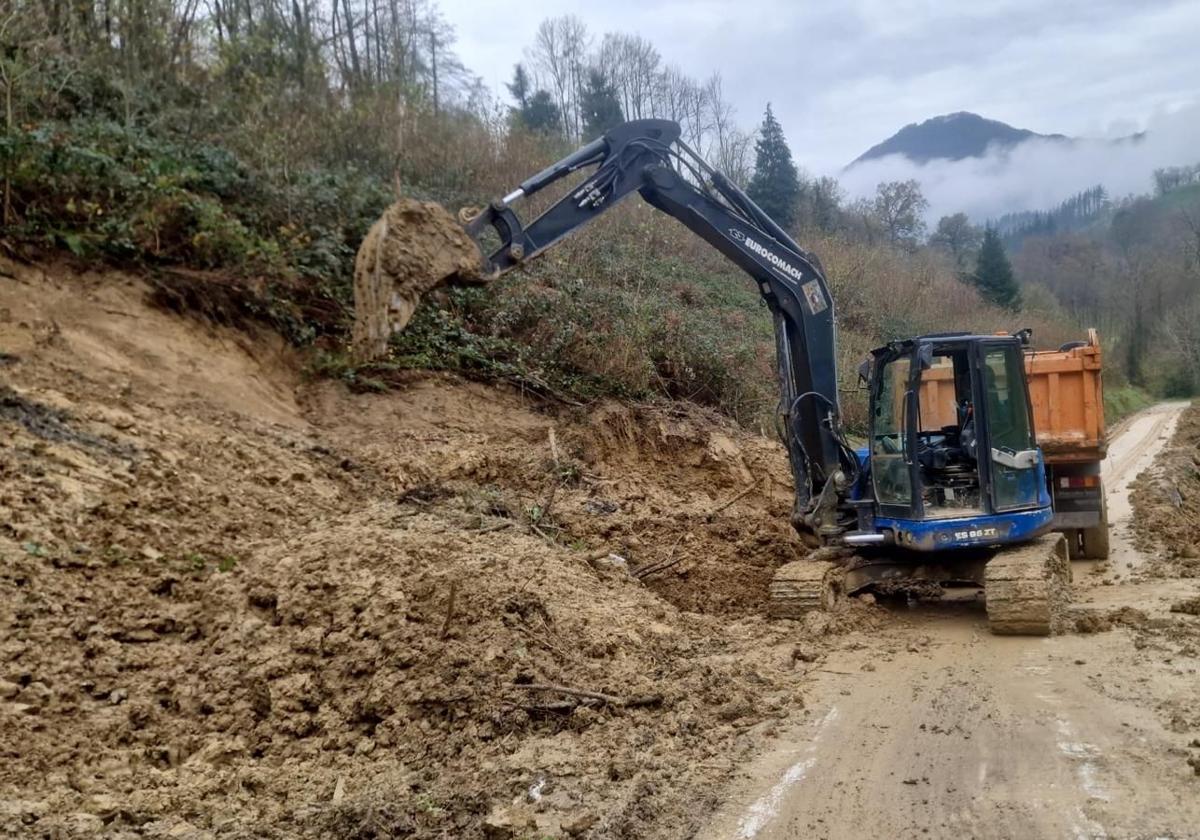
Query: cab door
{"points": [[893, 406], [1010, 462]]}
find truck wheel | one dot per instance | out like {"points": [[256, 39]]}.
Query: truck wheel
{"points": [[1095, 540], [1074, 544]]}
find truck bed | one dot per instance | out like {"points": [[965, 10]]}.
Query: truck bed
{"points": [[1067, 393]]}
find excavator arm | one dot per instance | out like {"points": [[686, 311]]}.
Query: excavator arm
{"points": [[648, 157]]}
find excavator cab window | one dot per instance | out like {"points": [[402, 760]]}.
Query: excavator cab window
{"points": [[889, 433], [1012, 448], [947, 457]]}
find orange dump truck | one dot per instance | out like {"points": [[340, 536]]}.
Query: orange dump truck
{"points": [[1067, 397], [1067, 393]]}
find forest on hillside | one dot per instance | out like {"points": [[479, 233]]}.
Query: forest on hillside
{"points": [[235, 152], [1129, 266]]}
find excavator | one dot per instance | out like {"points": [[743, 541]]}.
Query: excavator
{"points": [[926, 501]]}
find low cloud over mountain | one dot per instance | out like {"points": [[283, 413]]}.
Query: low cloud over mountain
{"points": [[986, 168]]}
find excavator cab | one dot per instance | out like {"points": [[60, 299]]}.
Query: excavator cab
{"points": [[951, 459]]}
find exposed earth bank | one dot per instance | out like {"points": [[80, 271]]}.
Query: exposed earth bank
{"points": [[237, 601]]}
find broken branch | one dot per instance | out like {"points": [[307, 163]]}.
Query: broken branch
{"points": [[572, 692], [735, 499], [449, 609], [662, 565]]}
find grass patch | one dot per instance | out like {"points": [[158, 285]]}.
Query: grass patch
{"points": [[1122, 401]]}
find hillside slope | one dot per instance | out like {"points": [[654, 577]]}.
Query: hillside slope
{"points": [[240, 603]]}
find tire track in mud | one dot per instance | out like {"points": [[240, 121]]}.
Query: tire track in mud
{"points": [[936, 728]]}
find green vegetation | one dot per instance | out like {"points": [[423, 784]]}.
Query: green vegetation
{"points": [[993, 273], [236, 155], [775, 186], [1131, 268], [1121, 401], [601, 109], [956, 236]]}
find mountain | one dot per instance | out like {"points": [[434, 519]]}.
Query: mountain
{"points": [[952, 137]]}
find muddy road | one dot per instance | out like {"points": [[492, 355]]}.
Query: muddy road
{"points": [[939, 729]]}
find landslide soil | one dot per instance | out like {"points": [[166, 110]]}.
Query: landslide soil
{"points": [[237, 602], [1167, 499]]}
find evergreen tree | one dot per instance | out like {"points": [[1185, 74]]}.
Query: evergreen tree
{"points": [[993, 273], [541, 115], [519, 87], [599, 105], [775, 186], [536, 110]]}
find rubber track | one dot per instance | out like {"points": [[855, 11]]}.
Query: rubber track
{"points": [[801, 587], [1028, 590]]}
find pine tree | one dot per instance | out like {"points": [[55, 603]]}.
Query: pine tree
{"points": [[993, 273], [775, 186], [541, 115], [519, 87], [599, 105], [536, 110]]}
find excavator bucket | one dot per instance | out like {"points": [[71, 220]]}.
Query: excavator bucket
{"points": [[414, 247]]}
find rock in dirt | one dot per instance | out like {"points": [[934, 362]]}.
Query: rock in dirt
{"points": [[510, 821], [414, 247], [1189, 606], [805, 653], [576, 826], [35, 694]]}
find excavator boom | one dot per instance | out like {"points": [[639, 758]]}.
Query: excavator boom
{"points": [[956, 480], [647, 157]]}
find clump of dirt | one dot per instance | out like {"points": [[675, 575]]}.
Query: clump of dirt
{"points": [[1166, 500], [1188, 606], [414, 247], [48, 423], [275, 608], [1095, 621]]}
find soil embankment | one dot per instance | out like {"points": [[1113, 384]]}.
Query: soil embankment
{"points": [[236, 602]]}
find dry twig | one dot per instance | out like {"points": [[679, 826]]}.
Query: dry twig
{"points": [[449, 609], [708, 516]]}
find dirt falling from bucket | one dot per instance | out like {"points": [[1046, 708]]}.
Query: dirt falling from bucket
{"points": [[415, 246]]}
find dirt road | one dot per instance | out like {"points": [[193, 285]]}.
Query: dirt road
{"points": [[940, 729]]}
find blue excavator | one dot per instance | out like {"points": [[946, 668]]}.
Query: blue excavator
{"points": [[952, 494]]}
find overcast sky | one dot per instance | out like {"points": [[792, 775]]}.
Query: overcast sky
{"points": [[842, 77]]}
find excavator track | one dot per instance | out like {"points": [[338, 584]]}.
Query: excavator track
{"points": [[1028, 588], [803, 586]]}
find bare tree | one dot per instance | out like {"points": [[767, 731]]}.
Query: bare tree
{"points": [[559, 52], [632, 63], [1182, 329], [899, 206], [731, 149]]}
